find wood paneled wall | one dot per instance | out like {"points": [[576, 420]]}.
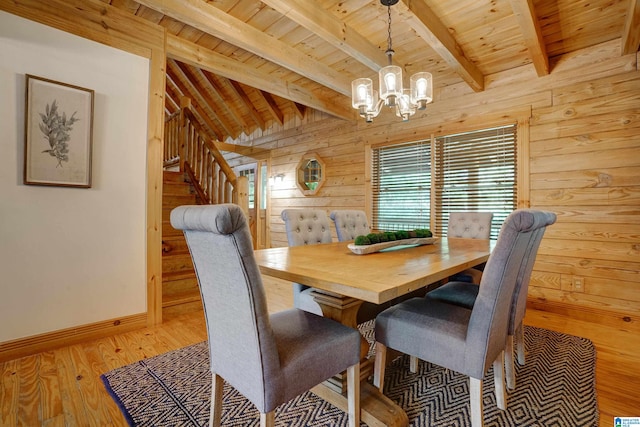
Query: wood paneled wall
{"points": [[583, 164]]}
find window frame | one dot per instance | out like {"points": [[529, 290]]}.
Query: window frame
{"points": [[519, 118], [466, 176], [403, 191]]}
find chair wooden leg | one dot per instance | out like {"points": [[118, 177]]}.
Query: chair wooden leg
{"points": [[413, 364], [520, 344], [475, 395], [509, 363], [498, 378], [268, 419], [379, 365], [353, 395], [215, 413]]}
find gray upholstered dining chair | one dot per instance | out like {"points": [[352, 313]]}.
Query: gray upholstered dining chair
{"points": [[455, 337], [306, 227], [270, 359], [465, 294], [469, 225], [350, 224]]}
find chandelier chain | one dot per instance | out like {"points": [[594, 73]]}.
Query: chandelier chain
{"points": [[389, 51]]}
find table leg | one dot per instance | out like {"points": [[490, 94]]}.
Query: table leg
{"points": [[377, 410], [341, 309]]}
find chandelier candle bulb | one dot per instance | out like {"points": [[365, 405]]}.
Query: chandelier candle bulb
{"points": [[404, 108], [390, 84], [421, 89], [361, 93]]}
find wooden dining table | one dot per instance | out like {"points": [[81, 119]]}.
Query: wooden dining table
{"points": [[343, 280]]}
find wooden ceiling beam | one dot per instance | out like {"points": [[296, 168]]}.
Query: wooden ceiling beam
{"points": [[227, 105], [325, 25], [532, 33], [243, 150], [272, 106], [255, 114], [299, 109], [170, 104], [171, 98], [196, 93], [173, 90], [93, 20], [631, 31], [213, 21], [130, 6], [322, 99], [177, 94], [428, 26], [198, 103]]}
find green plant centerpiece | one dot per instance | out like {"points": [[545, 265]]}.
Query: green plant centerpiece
{"points": [[375, 242], [390, 236]]}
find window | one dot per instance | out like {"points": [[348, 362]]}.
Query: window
{"points": [[417, 184], [263, 186], [251, 177], [310, 174], [402, 186]]}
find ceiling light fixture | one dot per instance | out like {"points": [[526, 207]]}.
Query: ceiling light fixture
{"points": [[369, 101]]}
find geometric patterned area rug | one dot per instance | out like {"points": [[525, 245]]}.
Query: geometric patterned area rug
{"points": [[556, 387]]}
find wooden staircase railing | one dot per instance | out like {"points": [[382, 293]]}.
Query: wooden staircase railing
{"points": [[210, 174], [171, 155]]}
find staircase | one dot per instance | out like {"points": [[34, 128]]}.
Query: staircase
{"points": [[205, 177], [180, 293]]}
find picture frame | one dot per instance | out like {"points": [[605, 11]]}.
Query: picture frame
{"points": [[58, 133]]}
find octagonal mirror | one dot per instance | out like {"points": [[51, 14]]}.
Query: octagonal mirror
{"points": [[310, 174]]}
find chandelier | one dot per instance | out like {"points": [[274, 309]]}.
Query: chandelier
{"points": [[369, 101]]}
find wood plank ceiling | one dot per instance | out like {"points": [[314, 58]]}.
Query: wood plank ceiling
{"points": [[246, 64]]}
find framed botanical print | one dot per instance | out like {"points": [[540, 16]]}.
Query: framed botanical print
{"points": [[58, 133]]}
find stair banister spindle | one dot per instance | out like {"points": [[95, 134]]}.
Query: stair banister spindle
{"points": [[215, 180]]}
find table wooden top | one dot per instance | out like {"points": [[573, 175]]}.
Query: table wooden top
{"points": [[377, 277]]}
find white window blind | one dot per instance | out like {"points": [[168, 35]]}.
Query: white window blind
{"points": [[476, 171], [471, 171], [401, 180]]}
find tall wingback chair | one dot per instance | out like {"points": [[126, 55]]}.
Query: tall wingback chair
{"points": [[269, 359], [469, 225], [306, 227], [350, 224], [465, 294], [461, 339]]}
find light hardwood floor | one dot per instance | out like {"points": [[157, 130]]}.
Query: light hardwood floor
{"points": [[63, 388]]}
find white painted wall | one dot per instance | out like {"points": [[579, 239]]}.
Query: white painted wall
{"points": [[72, 256]]}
